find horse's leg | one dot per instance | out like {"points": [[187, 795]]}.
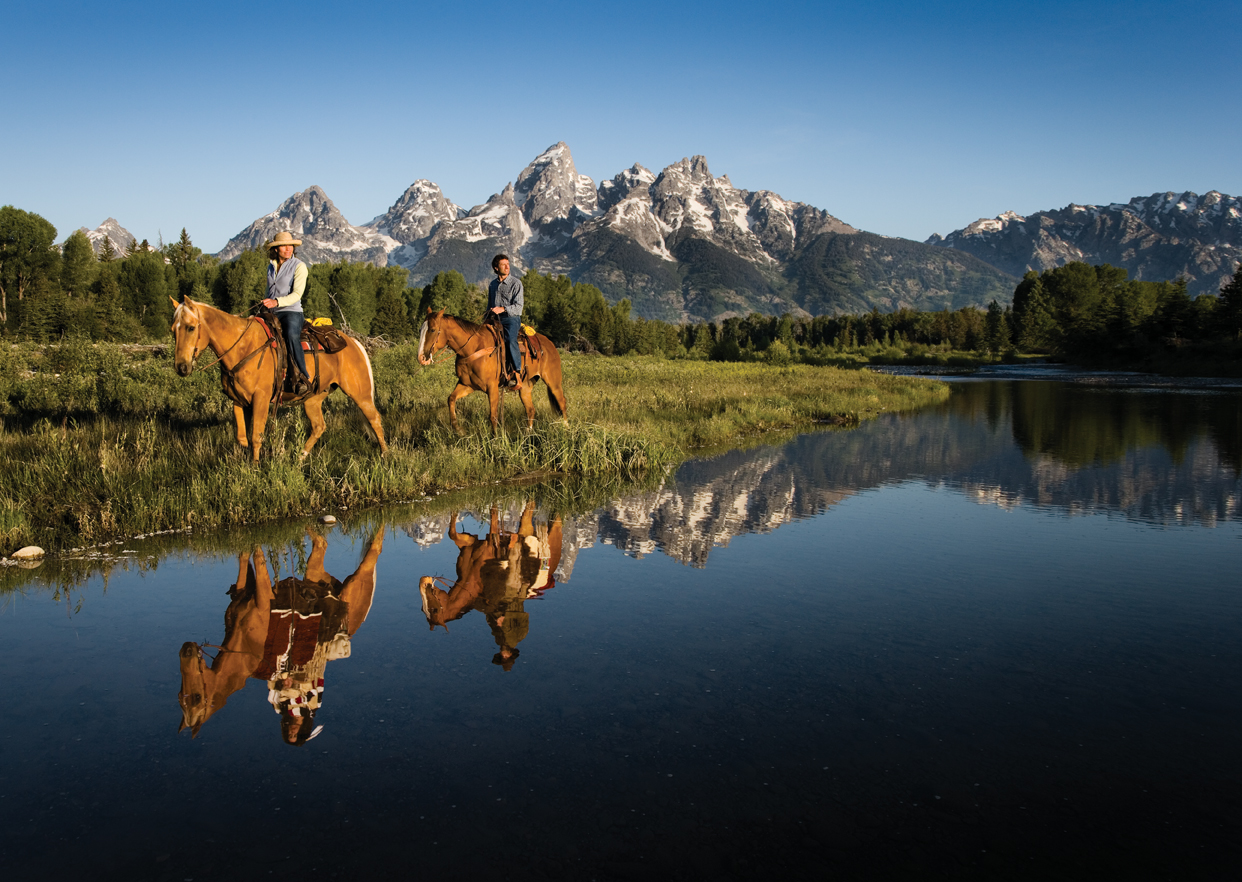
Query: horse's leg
{"points": [[314, 412], [263, 583], [459, 391], [493, 405], [314, 567], [239, 417], [258, 421], [526, 392], [367, 405]]}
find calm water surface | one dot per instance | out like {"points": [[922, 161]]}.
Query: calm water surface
{"points": [[994, 639]]}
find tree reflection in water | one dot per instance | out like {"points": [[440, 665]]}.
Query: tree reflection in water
{"points": [[283, 634]]}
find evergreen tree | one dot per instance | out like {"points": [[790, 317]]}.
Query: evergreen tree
{"points": [[27, 258], [1228, 312], [1037, 329], [77, 265], [390, 320], [996, 333], [449, 291]]}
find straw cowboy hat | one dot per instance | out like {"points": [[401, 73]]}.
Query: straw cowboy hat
{"points": [[283, 238]]}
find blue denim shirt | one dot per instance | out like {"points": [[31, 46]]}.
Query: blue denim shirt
{"points": [[508, 294]]}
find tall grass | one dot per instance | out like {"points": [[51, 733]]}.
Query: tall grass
{"points": [[100, 442]]}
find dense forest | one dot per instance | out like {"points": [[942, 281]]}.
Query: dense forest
{"points": [[1077, 311]]}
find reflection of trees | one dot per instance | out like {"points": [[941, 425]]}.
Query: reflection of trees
{"points": [[1081, 426]]}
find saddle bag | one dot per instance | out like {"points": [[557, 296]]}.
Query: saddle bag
{"points": [[326, 339]]}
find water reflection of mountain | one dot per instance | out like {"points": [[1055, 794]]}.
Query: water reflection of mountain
{"points": [[1158, 457]]}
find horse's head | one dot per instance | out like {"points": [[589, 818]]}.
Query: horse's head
{"points": [[431, 336], [434, 602], [195, 695], [189, 335]]}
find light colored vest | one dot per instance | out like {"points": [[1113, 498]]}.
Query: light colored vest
{"points": [[280, 283]]}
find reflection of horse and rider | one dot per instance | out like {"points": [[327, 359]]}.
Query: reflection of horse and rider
{"points": [[497, 574], [284, 634]]}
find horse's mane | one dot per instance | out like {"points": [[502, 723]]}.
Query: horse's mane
{"points": [[465, 323]]}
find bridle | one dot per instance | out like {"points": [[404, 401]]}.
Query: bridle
{"points": [[194, 361]]}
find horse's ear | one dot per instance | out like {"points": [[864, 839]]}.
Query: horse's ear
{"points": [[181, 727], [174, 301]]}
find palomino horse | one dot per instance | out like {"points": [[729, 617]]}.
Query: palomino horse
{"points": [[247, 622], [479, 357], [497, 574], [248, 366]]}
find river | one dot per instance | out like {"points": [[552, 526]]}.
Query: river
{"points": [[996, 638]]}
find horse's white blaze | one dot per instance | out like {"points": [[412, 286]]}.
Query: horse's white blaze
{"points": [[422, 337]]}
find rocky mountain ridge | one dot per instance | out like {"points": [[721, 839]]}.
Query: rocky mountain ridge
{"points": [[1158, 237], [682, 244], [110, 229]]}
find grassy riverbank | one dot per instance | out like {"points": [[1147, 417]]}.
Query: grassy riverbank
{"points": [[101, 442]]}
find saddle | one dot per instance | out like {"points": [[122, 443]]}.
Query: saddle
{"points": [[316, 338], [528, 344]]}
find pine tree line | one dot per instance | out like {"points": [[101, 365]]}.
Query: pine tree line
{"points": [[1077, 310]]}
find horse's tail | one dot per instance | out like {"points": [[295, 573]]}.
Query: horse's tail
{"points": [[556, 405]]}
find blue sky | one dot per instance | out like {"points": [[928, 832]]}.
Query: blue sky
{"points": [[900, 118]]}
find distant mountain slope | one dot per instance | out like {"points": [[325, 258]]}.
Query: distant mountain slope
{"points": [[1158, 237], [835, 273]]}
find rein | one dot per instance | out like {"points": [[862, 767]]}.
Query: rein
{"points": [[198, 367]]}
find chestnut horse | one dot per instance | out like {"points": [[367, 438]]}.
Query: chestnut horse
{"points": [[248, 366], [480, 353]]}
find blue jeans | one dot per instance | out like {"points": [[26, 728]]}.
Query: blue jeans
{"points": [[511, 325], [291, 323]]}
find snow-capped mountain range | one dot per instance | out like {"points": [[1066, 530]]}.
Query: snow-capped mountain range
{"points": [[681, 244], [1157, 237], [684, 244]]}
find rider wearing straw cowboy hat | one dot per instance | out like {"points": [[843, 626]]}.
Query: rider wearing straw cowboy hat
{"points": [[286, 283]]}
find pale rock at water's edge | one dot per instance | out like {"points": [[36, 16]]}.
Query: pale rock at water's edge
{"points": [[1160, 237], [30, 552]]}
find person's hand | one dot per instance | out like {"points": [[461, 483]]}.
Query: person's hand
{"points": [[498, 309], [270, 303]]}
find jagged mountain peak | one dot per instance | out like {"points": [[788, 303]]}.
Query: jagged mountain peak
{"points": [[416, 213], [110, 229], [550, 191], [325, 233]]}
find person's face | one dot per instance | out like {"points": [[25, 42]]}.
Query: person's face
{"points": [[284, 251], [502, 268]]}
